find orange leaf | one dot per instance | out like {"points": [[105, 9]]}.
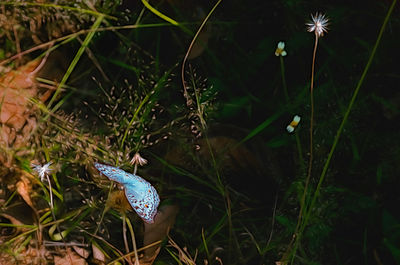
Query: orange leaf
{"points": [[24, 189]]}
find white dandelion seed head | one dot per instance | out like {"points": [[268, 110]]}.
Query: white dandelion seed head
{"points": [[42, 171], [319, 24]]}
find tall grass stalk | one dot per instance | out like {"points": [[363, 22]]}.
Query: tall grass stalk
{"points": [[310, 161], [159, 14], [288, 101], [309, 210], [74, 62], [128, 222], [346, 115], [295, 239], [191, 46], [220, 186]]}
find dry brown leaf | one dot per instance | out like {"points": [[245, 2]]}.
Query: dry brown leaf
{"points": [[26, 256], [24, 188], [21, 78], [84, 253], [157, 231], [16, 112], [13, 220], [40, 255], [98, 255], [9, 232], [16, 87], [71, 258]]}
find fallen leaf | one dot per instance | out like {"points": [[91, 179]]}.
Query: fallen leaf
{"points": [[70, 258], [157, 231], [16, 88], [24, 188], [81, 252], [98, 255], [10, 232]]}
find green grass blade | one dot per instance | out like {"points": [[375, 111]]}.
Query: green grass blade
{"points": [[159, 14], [74, 62]]}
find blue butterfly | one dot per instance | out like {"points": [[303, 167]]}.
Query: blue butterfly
{"points": [[141, 195]]}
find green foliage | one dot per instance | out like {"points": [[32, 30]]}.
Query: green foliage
{"points": [[214, 145]]}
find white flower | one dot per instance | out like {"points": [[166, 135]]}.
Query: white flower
{"points": [[137, 159], [318, 24], [42, 170], [280, 49], [293, 124]]}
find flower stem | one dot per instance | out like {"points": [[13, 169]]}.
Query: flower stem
{"points": [[309, 172], [346, 115], [310, 163], [297, 235], [285, 90], [288, 101], [298, 231]]}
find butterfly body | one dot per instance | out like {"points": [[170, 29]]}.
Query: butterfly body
{"points": [[140, 193]]}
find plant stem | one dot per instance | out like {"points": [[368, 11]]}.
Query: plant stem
{"points": [[74, 62], [311, 120], [298, 231], [310, 162], [346, 115], [191, 46], [307, 215], [124, 233], [285, 91]]}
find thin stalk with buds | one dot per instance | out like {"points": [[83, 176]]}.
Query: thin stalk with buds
{"points": [[318, 25]]}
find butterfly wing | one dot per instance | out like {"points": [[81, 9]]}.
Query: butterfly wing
{"points": [[114, 173], [141, 194], [144, 199]]}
